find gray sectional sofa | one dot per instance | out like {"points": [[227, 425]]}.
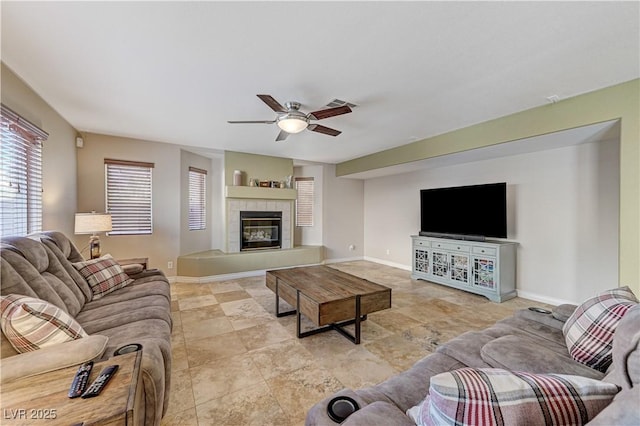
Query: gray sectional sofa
{"points": [[40, 266], [527, 341]]}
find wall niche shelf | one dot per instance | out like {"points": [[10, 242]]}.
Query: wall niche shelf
{"points": [[260, 193]]}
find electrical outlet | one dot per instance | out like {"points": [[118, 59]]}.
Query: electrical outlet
{"points": [[388, 251], [352, 247], [170, 264]]}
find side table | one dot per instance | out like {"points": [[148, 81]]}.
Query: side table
{"points": [[42, 399]]}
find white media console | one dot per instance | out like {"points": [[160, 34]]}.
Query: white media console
{"points": [[487, 268]]}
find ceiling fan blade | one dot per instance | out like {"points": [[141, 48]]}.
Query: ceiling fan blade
{"points": [[323, 129], [329, 112], [253, 122], [282, 136], [273, 104]]}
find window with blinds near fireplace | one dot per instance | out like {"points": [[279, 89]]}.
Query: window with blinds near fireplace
{"points": [[20, 175], [304, 201], [197, 200], [129, 196]]}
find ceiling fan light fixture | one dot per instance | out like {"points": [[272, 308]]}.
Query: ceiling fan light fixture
{"points": [[293, 124]]}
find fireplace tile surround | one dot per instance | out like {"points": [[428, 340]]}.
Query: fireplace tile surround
{"points": [[235, 206]]}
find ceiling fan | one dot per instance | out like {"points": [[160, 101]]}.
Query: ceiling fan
{"points": [[291, 120]]}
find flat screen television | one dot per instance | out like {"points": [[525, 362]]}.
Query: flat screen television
{"points": [[467, 212]]}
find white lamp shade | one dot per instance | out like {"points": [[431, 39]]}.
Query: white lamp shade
{"points": [[91, 223], [293, 124]]}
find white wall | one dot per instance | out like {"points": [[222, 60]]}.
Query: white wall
{"points": [[343, 209], [563, 211], [164, 244], [218, 218], [58, 152], [196, 240]]}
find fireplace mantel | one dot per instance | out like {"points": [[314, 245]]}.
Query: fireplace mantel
{"points": [[260, 193]]}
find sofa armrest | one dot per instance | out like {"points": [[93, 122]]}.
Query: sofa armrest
{"points": [[563, 312], [53, 358], [144, 261], [134, 266]]}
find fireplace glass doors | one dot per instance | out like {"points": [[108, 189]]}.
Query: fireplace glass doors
{"points": [[260, 230]]}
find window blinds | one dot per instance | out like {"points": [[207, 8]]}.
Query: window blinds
{"points": [[304, 201], [197, 200], [129, 196], [20, 175]]}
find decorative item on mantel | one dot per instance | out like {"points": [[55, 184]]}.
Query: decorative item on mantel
{"points": [[254, 182], [237, 178]]}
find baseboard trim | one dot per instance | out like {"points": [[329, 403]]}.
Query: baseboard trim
{"points": [[387, 263], [232, 276], [543, 299], [261, 272], [343, 259]]}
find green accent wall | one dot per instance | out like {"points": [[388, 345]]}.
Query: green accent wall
{"points": [[254, 166], [620, 102]]}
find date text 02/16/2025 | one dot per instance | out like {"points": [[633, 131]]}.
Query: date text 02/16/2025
{"points": [[30, 414]]}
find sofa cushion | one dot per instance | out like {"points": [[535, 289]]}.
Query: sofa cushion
{"points": [[589, 330], [521, 325], [67, 254], [520, 353], [495, 396], [466, 348], [31, 323], [51, 270], [137, 289], [26, 274], [125, 312], [66, 247], [104, 275]]}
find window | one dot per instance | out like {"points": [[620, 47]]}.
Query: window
{"points": [[20, 175], [197, 201], [304, 202], [129, 196]]}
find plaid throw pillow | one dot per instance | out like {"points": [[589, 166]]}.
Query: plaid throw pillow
{"points": [[589, 330], [30, 324], [104, 275], [490, 396]]}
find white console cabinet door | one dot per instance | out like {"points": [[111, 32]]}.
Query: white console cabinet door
{"points": [[486, 268], [421, 258]]}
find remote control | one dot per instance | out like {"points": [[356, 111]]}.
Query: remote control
{"points": [[99, 383], [80, 380]]}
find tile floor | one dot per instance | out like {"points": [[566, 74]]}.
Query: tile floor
{"points": [[235, 363]]}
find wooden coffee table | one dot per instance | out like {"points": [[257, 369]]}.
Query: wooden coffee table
{"points": [[331, 299]]}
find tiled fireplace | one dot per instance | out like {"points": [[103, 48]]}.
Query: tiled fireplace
{"points": [[282, 209]]}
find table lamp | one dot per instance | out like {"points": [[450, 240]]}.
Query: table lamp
{"points": [[92, 223]]}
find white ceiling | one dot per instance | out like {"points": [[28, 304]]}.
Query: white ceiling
{"points": [[177, 71]]}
